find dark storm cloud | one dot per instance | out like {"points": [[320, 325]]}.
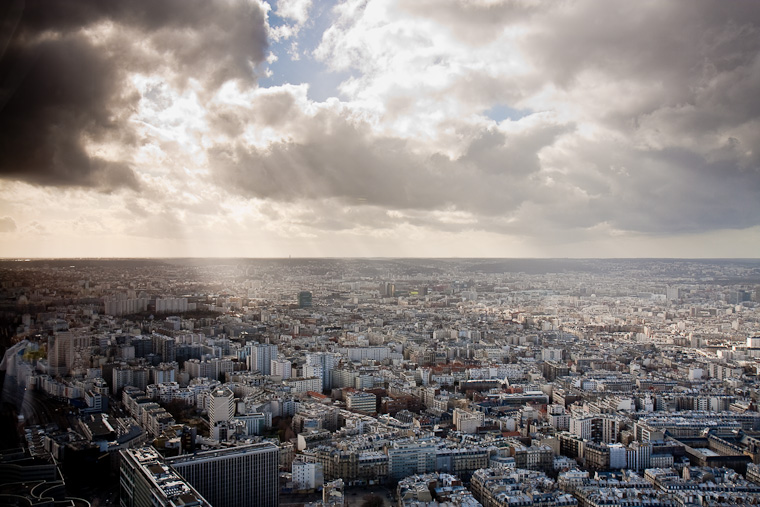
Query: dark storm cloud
{"points": [[60, 89], [676, 190], [62, 92]]}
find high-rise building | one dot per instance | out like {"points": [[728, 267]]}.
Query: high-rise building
{"points": [[221, 406], [262, 355], [65, 351], [56, 353], [122, 305], [164, 372], [245, 476], [736, 297], [143, 345], [327, 361], [342, 377], [171, 305], [387, 289], [147, 481], [123, 376], [304, 299], [164, 346]]}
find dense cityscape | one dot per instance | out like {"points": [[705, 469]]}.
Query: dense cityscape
{"points": [[409, 382]]}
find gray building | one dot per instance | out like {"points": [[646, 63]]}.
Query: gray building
{"points": [[245, 476], [147, 481], [262, 355], [407, 458]]}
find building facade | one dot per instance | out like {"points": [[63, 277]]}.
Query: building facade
{"points": [[245, 476]]}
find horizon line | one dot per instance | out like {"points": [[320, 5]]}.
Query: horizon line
{"points": [[30, 258]]}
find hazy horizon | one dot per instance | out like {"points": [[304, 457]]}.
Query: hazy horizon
{"points": [[21, 258]]}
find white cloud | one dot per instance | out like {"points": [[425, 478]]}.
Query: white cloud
{"points": [[297, 10]]}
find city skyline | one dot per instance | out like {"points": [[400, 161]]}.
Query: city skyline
{"points": [[312, 128]]}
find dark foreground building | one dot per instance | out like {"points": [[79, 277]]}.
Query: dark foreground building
{"points": [[245, 476]]}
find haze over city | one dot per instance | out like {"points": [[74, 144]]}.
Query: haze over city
{"points": [[379, 128]]}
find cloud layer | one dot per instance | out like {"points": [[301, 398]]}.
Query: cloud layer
{"points": [[560, 127]]}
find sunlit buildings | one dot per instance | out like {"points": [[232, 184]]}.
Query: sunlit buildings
{"points": [[221, 406]]}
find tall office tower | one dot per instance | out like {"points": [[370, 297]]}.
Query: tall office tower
{"points": [[737, 297], [328, 361], [146, 481], [281, 368], [304, 299], [262, 355], [221, 406], [245, 476], [387, 289]]}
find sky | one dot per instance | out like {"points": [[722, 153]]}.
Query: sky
{"points": [[379, 128]]}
